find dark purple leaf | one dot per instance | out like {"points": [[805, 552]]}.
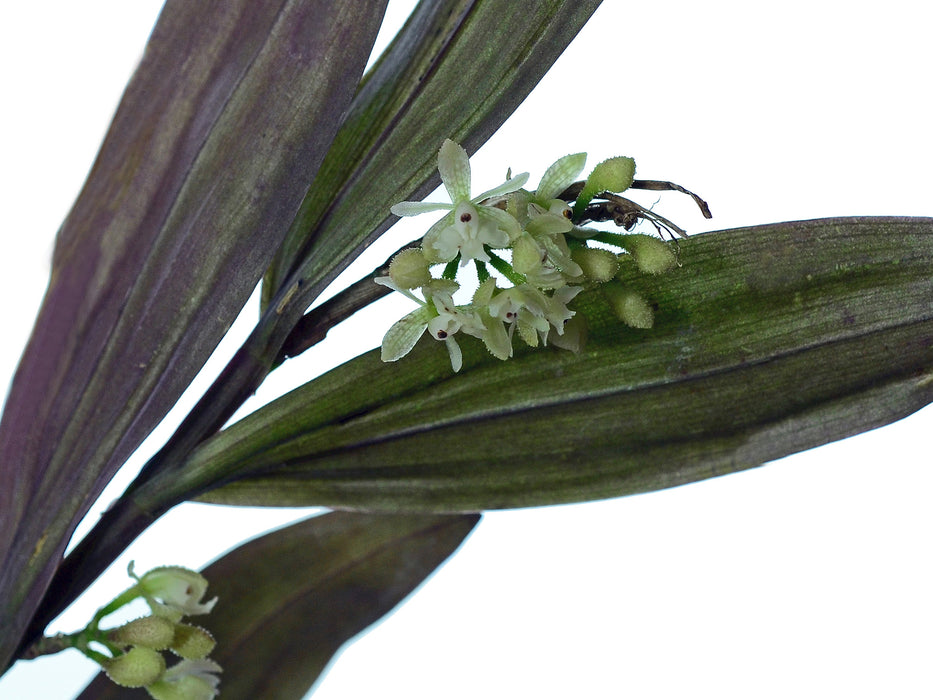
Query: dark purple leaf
{"points": [[289, 600], [215, 143]]}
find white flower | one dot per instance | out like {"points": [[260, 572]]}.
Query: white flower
{"points": [[469, 226], [187, 680], [553, 214], [556, 311], [173, 591], [531, 224], [439, 315], [467, 235], [532, 311]]}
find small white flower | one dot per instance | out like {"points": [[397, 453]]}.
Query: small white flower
{"points": [[173, 591], [469, 226], [556, 311], [553, 214], [451, 319], [532, 311], [473, 228], [439, 315], [187, 680]]}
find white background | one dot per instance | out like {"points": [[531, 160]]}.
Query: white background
{"points": [[807, 578]]}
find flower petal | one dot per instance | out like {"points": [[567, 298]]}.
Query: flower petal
{"points": [[404, 334], [483, 294], [429, 243], [560, 176], [510, 185], [456, 355], [454, 166], [187, 680], [497, 339], [502, 221], [416, 208], [559, 254], [547, 224]]}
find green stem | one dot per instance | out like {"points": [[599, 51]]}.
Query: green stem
{"points": [[95, 656], [450, 270], [313, 327], [505, 268], [45, 646], [128, 596], [618, 240]]}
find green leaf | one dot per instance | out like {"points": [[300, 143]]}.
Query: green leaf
{"points": [[216, 140], [457, 70], [288, 601], [768, 340]]}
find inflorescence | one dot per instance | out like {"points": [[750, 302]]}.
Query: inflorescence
{"points": [[537, 243], [132, 654]]}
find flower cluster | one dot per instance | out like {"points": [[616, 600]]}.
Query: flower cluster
{"points": [[536, 243], [136, 659]]}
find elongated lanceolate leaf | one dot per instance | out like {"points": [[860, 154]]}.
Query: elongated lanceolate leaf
{"points": [[215, 142], [457, 70], [768, 340], [289, 600]]}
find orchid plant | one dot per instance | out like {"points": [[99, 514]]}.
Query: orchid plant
{"points": [[240, 154]]}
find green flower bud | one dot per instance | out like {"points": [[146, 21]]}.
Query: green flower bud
{"points": [[192, 642], [152, 632], [409, 269], [629, 306], [651, 254], [598, 265], [612, 175], [136, 668]]}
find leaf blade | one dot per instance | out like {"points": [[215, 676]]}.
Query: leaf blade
{"points": [[457, 70], [769, 340]]}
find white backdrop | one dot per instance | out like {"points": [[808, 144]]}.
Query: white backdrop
{"points": [[807, 578]]}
